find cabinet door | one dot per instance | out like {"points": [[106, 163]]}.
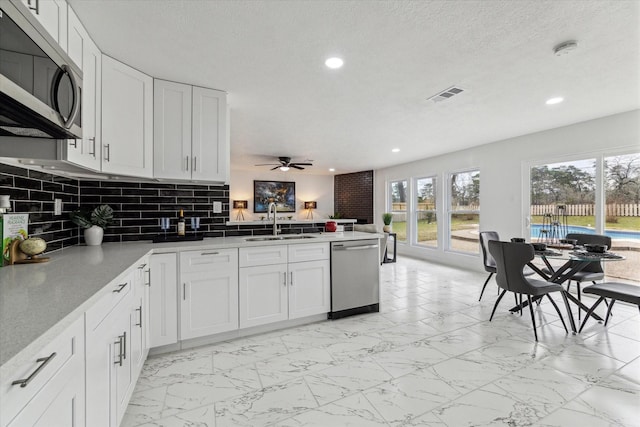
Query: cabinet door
{"points": [[210, 147], [86, 151], [60, 403], [127, 120], [122, 379], [309, 288], [52, 14], [172, 130], [163, 300], [209, 293], [263, 295]]}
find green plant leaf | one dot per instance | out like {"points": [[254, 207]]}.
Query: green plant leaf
{"points": [[102, 216]]}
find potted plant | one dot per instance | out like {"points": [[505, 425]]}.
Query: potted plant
{"points": [[94, 223], [387, 217]]}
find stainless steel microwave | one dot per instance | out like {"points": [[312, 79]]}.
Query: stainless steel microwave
{"points": [[40, 87]]}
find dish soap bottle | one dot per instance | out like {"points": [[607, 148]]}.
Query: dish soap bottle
{"points": [[181, 223]]}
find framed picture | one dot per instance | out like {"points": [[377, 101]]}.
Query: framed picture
{"points": [[282, 193]]}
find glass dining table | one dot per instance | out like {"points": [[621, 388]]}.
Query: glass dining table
{"points": [[575, 260]]}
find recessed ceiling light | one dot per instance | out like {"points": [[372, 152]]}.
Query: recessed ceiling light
{"points": [[556, 100], [284, 168], [395, 150], [332, 170], [334, 62]]}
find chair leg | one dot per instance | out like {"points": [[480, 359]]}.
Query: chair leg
{"points": [[568, 285], [593, 307], [579, 299], [569, 313], [533, 318], [606, 319], [496, 305], [520, 305], [485, 285], [558, 311]]}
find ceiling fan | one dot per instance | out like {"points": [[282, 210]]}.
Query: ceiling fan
{"points": [[285, 164]]}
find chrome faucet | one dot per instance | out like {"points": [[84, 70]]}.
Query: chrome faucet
{"points": [[275, 219]]}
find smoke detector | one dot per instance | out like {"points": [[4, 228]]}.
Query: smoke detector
{"points": [[565, 48]]}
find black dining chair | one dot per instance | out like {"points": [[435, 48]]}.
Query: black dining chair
{"points": [[488, 261], [511, 260], [593, 271]]}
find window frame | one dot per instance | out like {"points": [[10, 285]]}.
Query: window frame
{"points": [[449, 211], [415, 211], [407, 210]]}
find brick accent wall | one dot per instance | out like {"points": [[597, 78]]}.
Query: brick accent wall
{"points": [[353, 196]]}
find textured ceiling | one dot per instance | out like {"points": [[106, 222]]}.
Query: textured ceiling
{"points": [[269, 56]]}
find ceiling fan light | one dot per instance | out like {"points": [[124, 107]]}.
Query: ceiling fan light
{"points": [[284, 168]]}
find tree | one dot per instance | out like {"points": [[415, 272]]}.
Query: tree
{"points": [[623, 179]]}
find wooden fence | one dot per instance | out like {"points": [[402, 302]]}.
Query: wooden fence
{"points": [[613, 209], [398, 207]]}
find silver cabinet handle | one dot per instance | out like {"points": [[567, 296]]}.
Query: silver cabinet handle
{"points": [[184, 292], [44, 361], [107, 151], [187, 163], [120, 288], [148, 283], [73, 142], [209, 253], [36, 9], [93, 144], [120, 346], [291, 278], [195, 163], [285, 278], [124, 347], [140, 267], [139, 310]]}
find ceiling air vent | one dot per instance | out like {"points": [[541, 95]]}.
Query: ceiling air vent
{"points": [[446, 94]]}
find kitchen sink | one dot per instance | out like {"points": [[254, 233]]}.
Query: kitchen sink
{"points": [[285, 237]]}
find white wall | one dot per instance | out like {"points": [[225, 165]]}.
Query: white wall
{"points": [[317, 188], [501, 167]]}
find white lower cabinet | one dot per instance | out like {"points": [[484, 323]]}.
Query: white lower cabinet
{"points": [[209, 292], [283, 282], [50, 389], [109, 371], [163, 300], [263, 294]]}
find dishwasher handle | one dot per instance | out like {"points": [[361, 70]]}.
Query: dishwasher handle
{"points": [[354, 248]]}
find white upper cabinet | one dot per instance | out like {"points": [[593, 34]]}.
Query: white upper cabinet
{"points": [[84, 52], [52, 14], [127, 120], [190, 135]]}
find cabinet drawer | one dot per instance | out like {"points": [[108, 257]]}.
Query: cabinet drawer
{"points": [[208, 260], [308, 252], [263, 255], [119, 289], [66, 349]]}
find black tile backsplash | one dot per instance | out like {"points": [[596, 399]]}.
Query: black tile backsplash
{"points": [[33, 192], [137, 207]]}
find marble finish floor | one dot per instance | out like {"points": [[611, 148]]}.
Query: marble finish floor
{"points": [[429, 358]]}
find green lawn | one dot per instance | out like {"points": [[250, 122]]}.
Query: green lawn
{"points": [[428, 231]]}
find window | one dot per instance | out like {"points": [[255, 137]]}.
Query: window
{"points": [[464, 211], [563, 199], [398, 193], [567, 197], [426, 224]]}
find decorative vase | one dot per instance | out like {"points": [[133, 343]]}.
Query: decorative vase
{"points": [[93, 235], [387, 228]]}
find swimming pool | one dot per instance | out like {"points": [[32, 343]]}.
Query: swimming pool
{"points": [[614, 234]]}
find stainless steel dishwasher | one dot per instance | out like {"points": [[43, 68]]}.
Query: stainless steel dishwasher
{"points": [[355, 278]]}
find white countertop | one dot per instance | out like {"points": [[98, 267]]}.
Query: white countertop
{"points": [[292, 221], [38, 301]]}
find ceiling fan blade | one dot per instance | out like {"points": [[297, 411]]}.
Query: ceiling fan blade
{"points": [[267, 164], [302, 164], [295, 165], [277, 167]]}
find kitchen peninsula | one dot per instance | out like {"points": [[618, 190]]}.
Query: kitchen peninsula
{"points": [[85, 290]]}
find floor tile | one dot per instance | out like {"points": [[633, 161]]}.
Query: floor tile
{"points": [[353, 411]]}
